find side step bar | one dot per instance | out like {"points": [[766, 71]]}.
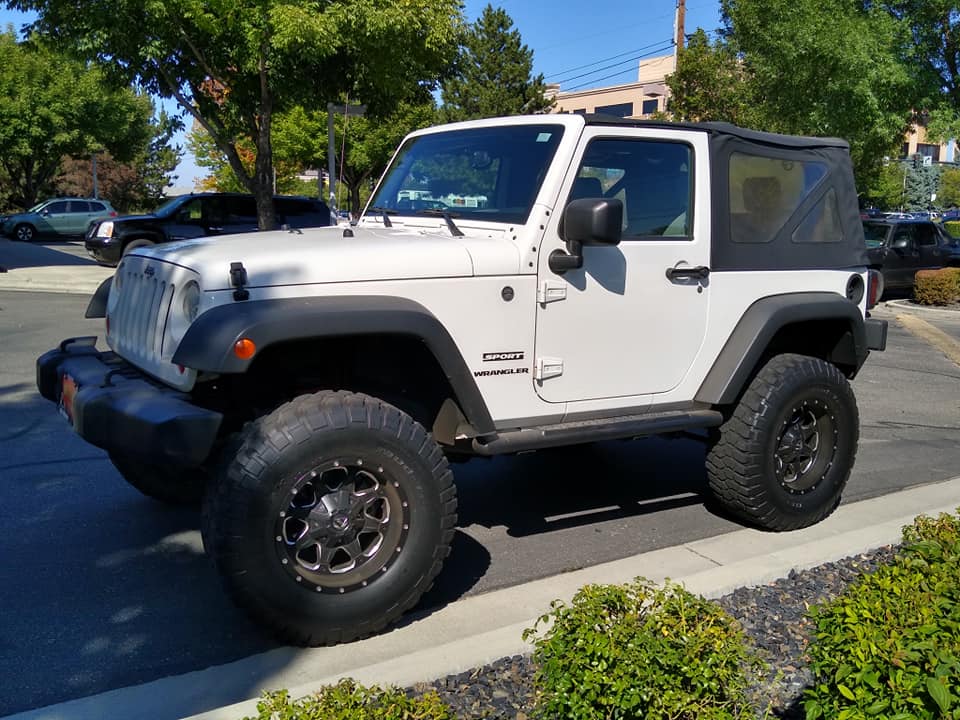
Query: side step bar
{"points": [[584, 431]]}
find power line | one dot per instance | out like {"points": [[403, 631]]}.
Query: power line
{"points": [[601, 60], [607, 77]]}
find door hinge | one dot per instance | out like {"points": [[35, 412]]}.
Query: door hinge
{"points": [[547, 367], [549, 292]]}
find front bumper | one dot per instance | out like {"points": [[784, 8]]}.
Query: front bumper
{"points": [[120, 409], [107, 251]]}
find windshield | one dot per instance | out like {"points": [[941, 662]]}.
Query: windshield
{"points": [[171, 205], [491, 173], [36, 208], [875, 234]]}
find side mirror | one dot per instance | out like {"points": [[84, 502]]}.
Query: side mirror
{"points": [[44, 212], [588, 221], [902, 242]]}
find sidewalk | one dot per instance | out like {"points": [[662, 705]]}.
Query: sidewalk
{"points": [[52, 267], [483, 628]]}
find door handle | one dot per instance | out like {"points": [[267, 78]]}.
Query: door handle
{"points": [[701, 272]]}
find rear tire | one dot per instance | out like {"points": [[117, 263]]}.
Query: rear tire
{"points": [[783, 457], [171, 485], [331, 517]]}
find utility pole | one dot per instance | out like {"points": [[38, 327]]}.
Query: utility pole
{"points": [[678, 25]]}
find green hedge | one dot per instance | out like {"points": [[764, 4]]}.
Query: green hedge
{"points": [[952, 227], [350, 701], [641, 651], [889, 647]]}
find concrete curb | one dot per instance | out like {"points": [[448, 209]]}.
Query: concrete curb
{"points": [[80, 280], [907, 305], [483, 628]]}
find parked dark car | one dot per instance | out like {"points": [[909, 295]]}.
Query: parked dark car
{"points": [[197, 215], [899, 248]]}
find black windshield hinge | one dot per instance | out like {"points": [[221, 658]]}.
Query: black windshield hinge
{"points": [[238, 278]]}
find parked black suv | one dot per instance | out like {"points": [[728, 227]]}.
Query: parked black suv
{"points": [[899, 248], [196, 215]]}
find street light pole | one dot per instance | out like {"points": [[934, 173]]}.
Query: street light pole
{"points": [[93, 157]]}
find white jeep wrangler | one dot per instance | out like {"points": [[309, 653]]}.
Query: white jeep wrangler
{"points": [[619, 279]]}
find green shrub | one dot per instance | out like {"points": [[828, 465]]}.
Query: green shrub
{"points": [[641, 651], [350, 701], [889, 647], [937, 287], [952, 227]]}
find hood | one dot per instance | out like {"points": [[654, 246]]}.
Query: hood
{"points": [[132, 218], [324, 255]]}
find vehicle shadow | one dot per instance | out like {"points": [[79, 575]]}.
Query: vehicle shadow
{"points": [[15, 255]]}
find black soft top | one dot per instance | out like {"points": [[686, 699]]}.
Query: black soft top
{"points": [[724, 128], [778, 202]]}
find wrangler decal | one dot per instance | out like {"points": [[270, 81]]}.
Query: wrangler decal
{"points": [[504, 371]]}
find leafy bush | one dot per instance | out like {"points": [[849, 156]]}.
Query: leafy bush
{"points": [[937, 287], [952, 227], [350, 701], [889, 647], [640, 651]]}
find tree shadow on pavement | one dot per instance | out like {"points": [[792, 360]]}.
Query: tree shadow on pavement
{"points": [[17, 255]]}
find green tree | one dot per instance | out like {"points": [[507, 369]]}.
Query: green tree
{"points": [[922, 183], [233, 64], [710, 83], [137, 184], [53, 107], [828, 67], [493, 73], [949, 194], [885, 187]]}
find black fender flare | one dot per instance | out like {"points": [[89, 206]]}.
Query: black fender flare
{"points": [[208, 343], [97, 307], [750, 338]]}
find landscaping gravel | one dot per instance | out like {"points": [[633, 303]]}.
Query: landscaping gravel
{"points": [[773, 616]]}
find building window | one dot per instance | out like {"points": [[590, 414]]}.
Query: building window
{"points": [[650, 106], [622, 110], [930, 151]]}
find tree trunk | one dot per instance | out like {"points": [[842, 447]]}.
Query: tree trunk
{"points": [[263, 172], [355, 200]]}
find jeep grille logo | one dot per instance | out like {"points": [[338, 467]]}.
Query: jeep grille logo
{"points": [[149, 271]]}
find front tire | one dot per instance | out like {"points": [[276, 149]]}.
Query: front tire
{"points": [[331, 518], [170, 485], [782, 459], [25, 232]]}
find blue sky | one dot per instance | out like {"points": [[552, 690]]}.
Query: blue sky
{"points": [[579, 44]]}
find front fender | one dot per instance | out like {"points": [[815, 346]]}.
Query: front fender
{"points": [[208, 344]]}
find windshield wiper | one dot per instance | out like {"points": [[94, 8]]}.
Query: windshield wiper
{"points": [[448, 217], [386, 213]]}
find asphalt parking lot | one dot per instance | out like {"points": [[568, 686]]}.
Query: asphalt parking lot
{"points": [[103, 588]]}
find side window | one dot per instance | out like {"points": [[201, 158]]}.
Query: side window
{"points": [[903, 236], [56, 208], [97, 207], [926, 235], [241, 211], [822, 223], [79, 206], [652, 178], [191, 211], [765, 192]]}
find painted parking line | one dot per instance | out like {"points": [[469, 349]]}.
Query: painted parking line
{"points": [[932, 335]]}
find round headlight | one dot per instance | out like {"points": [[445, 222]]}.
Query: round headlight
{"points": [[190, 299]]}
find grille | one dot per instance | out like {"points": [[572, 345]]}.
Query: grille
{"points": [[137, 322]]}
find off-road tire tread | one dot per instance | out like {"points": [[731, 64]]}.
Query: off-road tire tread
{"points": [[260, 442], [734, 459]]}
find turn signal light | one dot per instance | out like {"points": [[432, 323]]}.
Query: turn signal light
{"points": [[244, 348], [874, 288]]}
